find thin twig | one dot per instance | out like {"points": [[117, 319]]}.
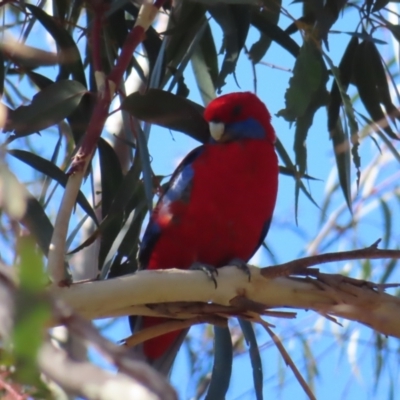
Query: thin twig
{"points": [[295, 266], [288, 360]]}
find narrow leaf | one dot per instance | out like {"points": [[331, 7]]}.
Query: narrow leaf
{"points": [[290, 165], [259, 48], [144, 155], [111, 174], [380, 79], [367, 89], [344, 76], [47, 168], [274, 32], [48, 107], [168, 110], [182, 28], [340, 138], [289, 172], [38, 224], [234, 21], [67, 48], [255, 358], [305, 86], [341, 149], [387, 215], [205, 66], [222, 368]]}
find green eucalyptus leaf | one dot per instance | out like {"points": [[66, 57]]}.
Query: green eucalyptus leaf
{"points": [[48, 107], [68, 50], [47, 168], [222, 368], [168, 110]]}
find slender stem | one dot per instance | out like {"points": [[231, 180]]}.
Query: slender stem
{"points": [[96, 37], [288, 360]]}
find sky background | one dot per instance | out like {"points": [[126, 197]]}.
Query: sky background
{"points": [[344, 355]]}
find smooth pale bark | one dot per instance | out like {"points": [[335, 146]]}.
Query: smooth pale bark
{"points": [[330, 295]]}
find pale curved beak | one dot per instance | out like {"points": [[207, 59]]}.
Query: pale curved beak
{"points": [[217, 130]]}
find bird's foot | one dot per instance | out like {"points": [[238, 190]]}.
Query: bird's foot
{"points": [[208, 269], [242, 265]]}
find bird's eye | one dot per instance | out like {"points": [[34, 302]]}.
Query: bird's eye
{"points": [[236, 110]]}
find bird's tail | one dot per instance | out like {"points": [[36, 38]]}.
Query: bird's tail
{"points": [[159, 352]]}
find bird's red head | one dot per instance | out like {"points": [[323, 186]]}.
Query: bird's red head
{"points": [[244, 112]]}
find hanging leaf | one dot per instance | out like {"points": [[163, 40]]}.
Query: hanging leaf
{"points": [[367, 88], [49, 169], [205, 66], [307, 84], [306, 93], [305, 23], [293, 173], [129, 247], [38, 224], [39, 80], [178, 73], [271, 14], [111, 174], [144, 156], [48, 107], [71, 59], [344, 74], [341, 148], [170, 111], [129, 195], [379, 74], [379, 4], [290, 165], [326, 17], [273, 31], [234, 21], [222, 368], [182, 28], [383, 137], [255, 357], [341, 139], [79, 118]]}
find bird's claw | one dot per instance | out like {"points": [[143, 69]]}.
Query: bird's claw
{"points": [[242, 265], [208, 269]]}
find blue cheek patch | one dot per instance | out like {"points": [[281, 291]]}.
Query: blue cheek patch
{"points": [[247, 129]]}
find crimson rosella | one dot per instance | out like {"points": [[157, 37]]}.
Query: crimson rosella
{"points": [[218, 205]]}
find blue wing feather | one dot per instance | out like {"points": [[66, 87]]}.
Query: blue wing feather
{"points": [[178, 188]]}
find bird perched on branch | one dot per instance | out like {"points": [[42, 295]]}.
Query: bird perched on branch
{"points": [[218, 206]]}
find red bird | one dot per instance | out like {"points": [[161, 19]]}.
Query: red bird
{"points": [[218, 205]]}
